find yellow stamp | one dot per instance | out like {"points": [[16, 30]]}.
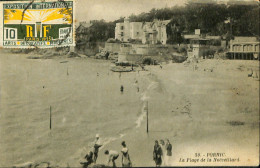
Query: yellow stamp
{"points": [[38, 24]]}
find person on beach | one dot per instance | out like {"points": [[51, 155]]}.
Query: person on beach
{"points": [[112, 156], [122, 88], [162, 145], [89, 158], [126, 162], [97, 145], [142, 67], [168, 155], [106, 55], [157, 154]]}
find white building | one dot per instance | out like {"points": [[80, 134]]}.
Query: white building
{"points": [[147, 32]]}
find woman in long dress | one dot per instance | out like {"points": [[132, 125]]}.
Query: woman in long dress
{"points": [[157, 154], [162, 144]]}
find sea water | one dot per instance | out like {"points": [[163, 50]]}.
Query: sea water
{"points": [[84, 97]]}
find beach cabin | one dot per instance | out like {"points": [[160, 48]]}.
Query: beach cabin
{"points": [[198, 47], [246, 48]]}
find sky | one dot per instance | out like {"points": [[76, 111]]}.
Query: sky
{"points": [[111, 10]]}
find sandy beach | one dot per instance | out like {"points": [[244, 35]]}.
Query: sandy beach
{"points": [[214, 109]]}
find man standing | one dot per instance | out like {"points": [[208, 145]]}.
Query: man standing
{"points": [[168, 155], [112, 156], [97, 145]]}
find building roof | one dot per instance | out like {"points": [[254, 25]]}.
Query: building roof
{"points": [[191, 36], [199, 37], [213, 37], [82, 27], [85, 24], [244, 39], [120, 23], [150, 24]]}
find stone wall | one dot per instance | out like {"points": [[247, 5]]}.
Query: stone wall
{"points": [[112, 47]]}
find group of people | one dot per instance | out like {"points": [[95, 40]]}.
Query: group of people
{"points": [[162, 153], [113, 155]]}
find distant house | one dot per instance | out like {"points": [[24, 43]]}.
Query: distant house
{"points": [[81, 30], [198, 47], [147, 32], [199, 43], [244, 48], [82, 37]]}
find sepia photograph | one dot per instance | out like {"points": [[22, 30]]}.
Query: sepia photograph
{"points": [[129, 83]]}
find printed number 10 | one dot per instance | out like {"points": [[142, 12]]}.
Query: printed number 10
{"points": [[10, 34]]}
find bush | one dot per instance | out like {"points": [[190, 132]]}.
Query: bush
{"points": [[215, 42], [209, 53], [111, 40], [135, 41], [220, 50], [149, 61], [182, 50]]}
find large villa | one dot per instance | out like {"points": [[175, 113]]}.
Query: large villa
{"points": [[147, 32]]}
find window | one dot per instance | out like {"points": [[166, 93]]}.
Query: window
{"points": [[137, 33], [122, 33], [122, 27]]}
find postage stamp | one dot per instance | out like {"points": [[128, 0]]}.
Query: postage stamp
{"points": [[38, 24]]}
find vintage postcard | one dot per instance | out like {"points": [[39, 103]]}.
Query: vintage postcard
{"points": [[129, 83]]}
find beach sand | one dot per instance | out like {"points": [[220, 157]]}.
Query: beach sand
{"points": [[199, 111]]}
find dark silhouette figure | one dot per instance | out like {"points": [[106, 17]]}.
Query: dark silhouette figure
{"points": [[122, 88], [157, 154], [89, 158], [106, 55]]}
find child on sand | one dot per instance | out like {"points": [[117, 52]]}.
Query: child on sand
{"points": [[89, 159], [126, 162]]}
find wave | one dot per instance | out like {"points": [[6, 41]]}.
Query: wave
{"points": [[144, 99], [141, 117]]}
